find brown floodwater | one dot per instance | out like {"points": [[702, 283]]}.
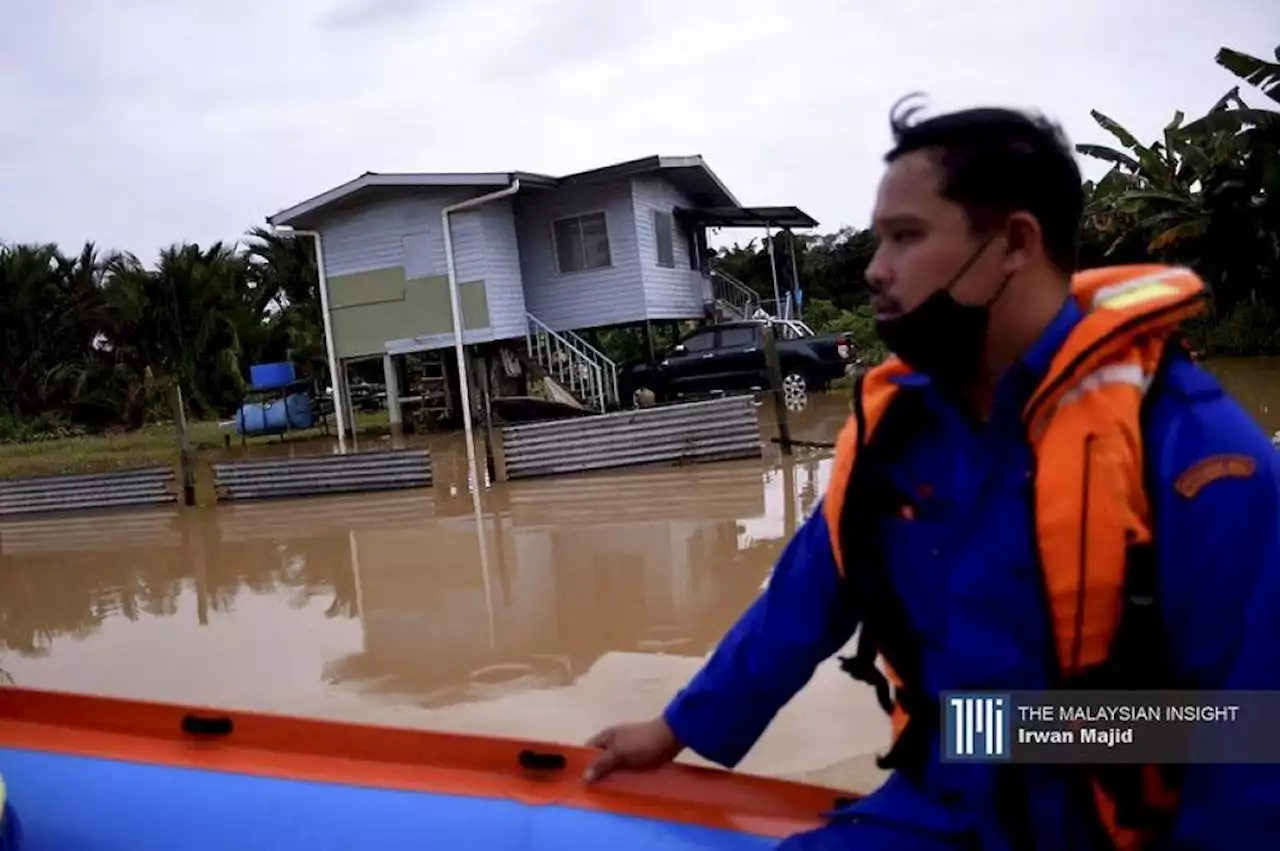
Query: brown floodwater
{"points": [[1255, 384], [563, 605]]}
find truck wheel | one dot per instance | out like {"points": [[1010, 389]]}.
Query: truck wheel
{"points": [[795, 391]]}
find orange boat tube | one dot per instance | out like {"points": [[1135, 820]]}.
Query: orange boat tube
{"points": [[103, 773]]}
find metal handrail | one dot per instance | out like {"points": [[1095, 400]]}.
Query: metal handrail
{"points": [[607, 365], [737, 294], [539, 337]]}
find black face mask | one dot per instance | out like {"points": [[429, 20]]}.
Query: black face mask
{"points": [[943, 338]]}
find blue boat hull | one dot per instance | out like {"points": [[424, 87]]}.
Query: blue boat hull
{"points": [[97, 774], [67, 802]]}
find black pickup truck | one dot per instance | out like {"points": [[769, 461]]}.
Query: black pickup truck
{"points": [[729, 358]]}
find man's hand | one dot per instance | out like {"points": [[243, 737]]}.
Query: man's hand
{"points": [[642, 746]]}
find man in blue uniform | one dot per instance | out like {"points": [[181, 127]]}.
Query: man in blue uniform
{"points": [[1043, 419]]}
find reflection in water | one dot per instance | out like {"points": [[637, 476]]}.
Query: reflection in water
{"points": [[575, 568]]}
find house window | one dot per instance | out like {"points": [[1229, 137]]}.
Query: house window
{"points": [[581, 242], [697, 242], [664, 236]]}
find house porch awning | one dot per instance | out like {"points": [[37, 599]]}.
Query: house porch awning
{"points": [[746, 217]]}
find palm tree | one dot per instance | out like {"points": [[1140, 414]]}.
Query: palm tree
{"points": [[282, 271], [48, 306]]}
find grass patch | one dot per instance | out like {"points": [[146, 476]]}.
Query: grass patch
{"points": [[153, 444]]}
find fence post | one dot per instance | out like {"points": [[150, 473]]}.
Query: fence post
{"points": [[186, 468], [486, 415], [773, 371]]}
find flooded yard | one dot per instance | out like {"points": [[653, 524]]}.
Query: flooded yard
{"points": [[566, 604], [563, 605]]}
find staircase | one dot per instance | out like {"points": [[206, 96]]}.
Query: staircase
{"points": [[732, 299], [579, 367]]}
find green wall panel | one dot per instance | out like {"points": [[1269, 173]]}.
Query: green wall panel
{"points": [[370, 308]]}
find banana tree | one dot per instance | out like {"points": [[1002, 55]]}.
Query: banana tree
{"points": [[1151, 190], [1203, 194], [1256, 72]]}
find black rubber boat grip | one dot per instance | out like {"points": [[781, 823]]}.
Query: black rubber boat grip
{"points": [[207, 725], [542, 761]]}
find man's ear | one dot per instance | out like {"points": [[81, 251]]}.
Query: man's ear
{"points": [[1024, 241]]}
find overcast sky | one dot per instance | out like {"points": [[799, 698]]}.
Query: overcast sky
{"points": [[139, 123]]}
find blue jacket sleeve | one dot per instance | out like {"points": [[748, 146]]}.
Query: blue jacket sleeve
{"points": [[1218, 545], [770, 653]]}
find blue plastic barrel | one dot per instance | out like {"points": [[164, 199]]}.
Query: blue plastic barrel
{"points": [[271, 376], [294, 411], [299, 410], [251, 418]]}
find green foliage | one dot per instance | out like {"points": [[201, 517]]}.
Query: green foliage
{"points": [[49, 425], [859, 324], [95, 342], [1254, 71], [832, 267], [1251, 329], [1205, 195], [623, 345]]}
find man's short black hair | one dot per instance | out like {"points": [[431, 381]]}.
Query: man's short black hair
{"points": [[998, 161]]}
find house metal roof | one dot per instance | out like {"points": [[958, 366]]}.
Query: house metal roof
{"points": [[689, 173]]}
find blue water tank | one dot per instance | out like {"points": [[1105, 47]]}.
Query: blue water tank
{"points": [[251, 418], [293, 411], [299, 410], [270, 376]]}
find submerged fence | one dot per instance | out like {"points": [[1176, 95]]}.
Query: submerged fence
{"points": [[715, 430], [326, 474], [715, 492], [41, 494], [291, 519], [60, 534]]}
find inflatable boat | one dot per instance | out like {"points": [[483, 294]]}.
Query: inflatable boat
{"points": [[103, 774]]}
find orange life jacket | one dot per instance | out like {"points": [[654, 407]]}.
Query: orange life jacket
{"points": [[1092, 516]]}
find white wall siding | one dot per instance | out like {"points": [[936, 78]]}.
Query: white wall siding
{"points": [[371, 236], [406, 231], [468, 245], [670, 293], [508, 244], [591, 297], [504, 285]]}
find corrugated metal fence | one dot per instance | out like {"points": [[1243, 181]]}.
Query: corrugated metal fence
{"points": [[715, 430], [322, 474], [40, 494]]}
